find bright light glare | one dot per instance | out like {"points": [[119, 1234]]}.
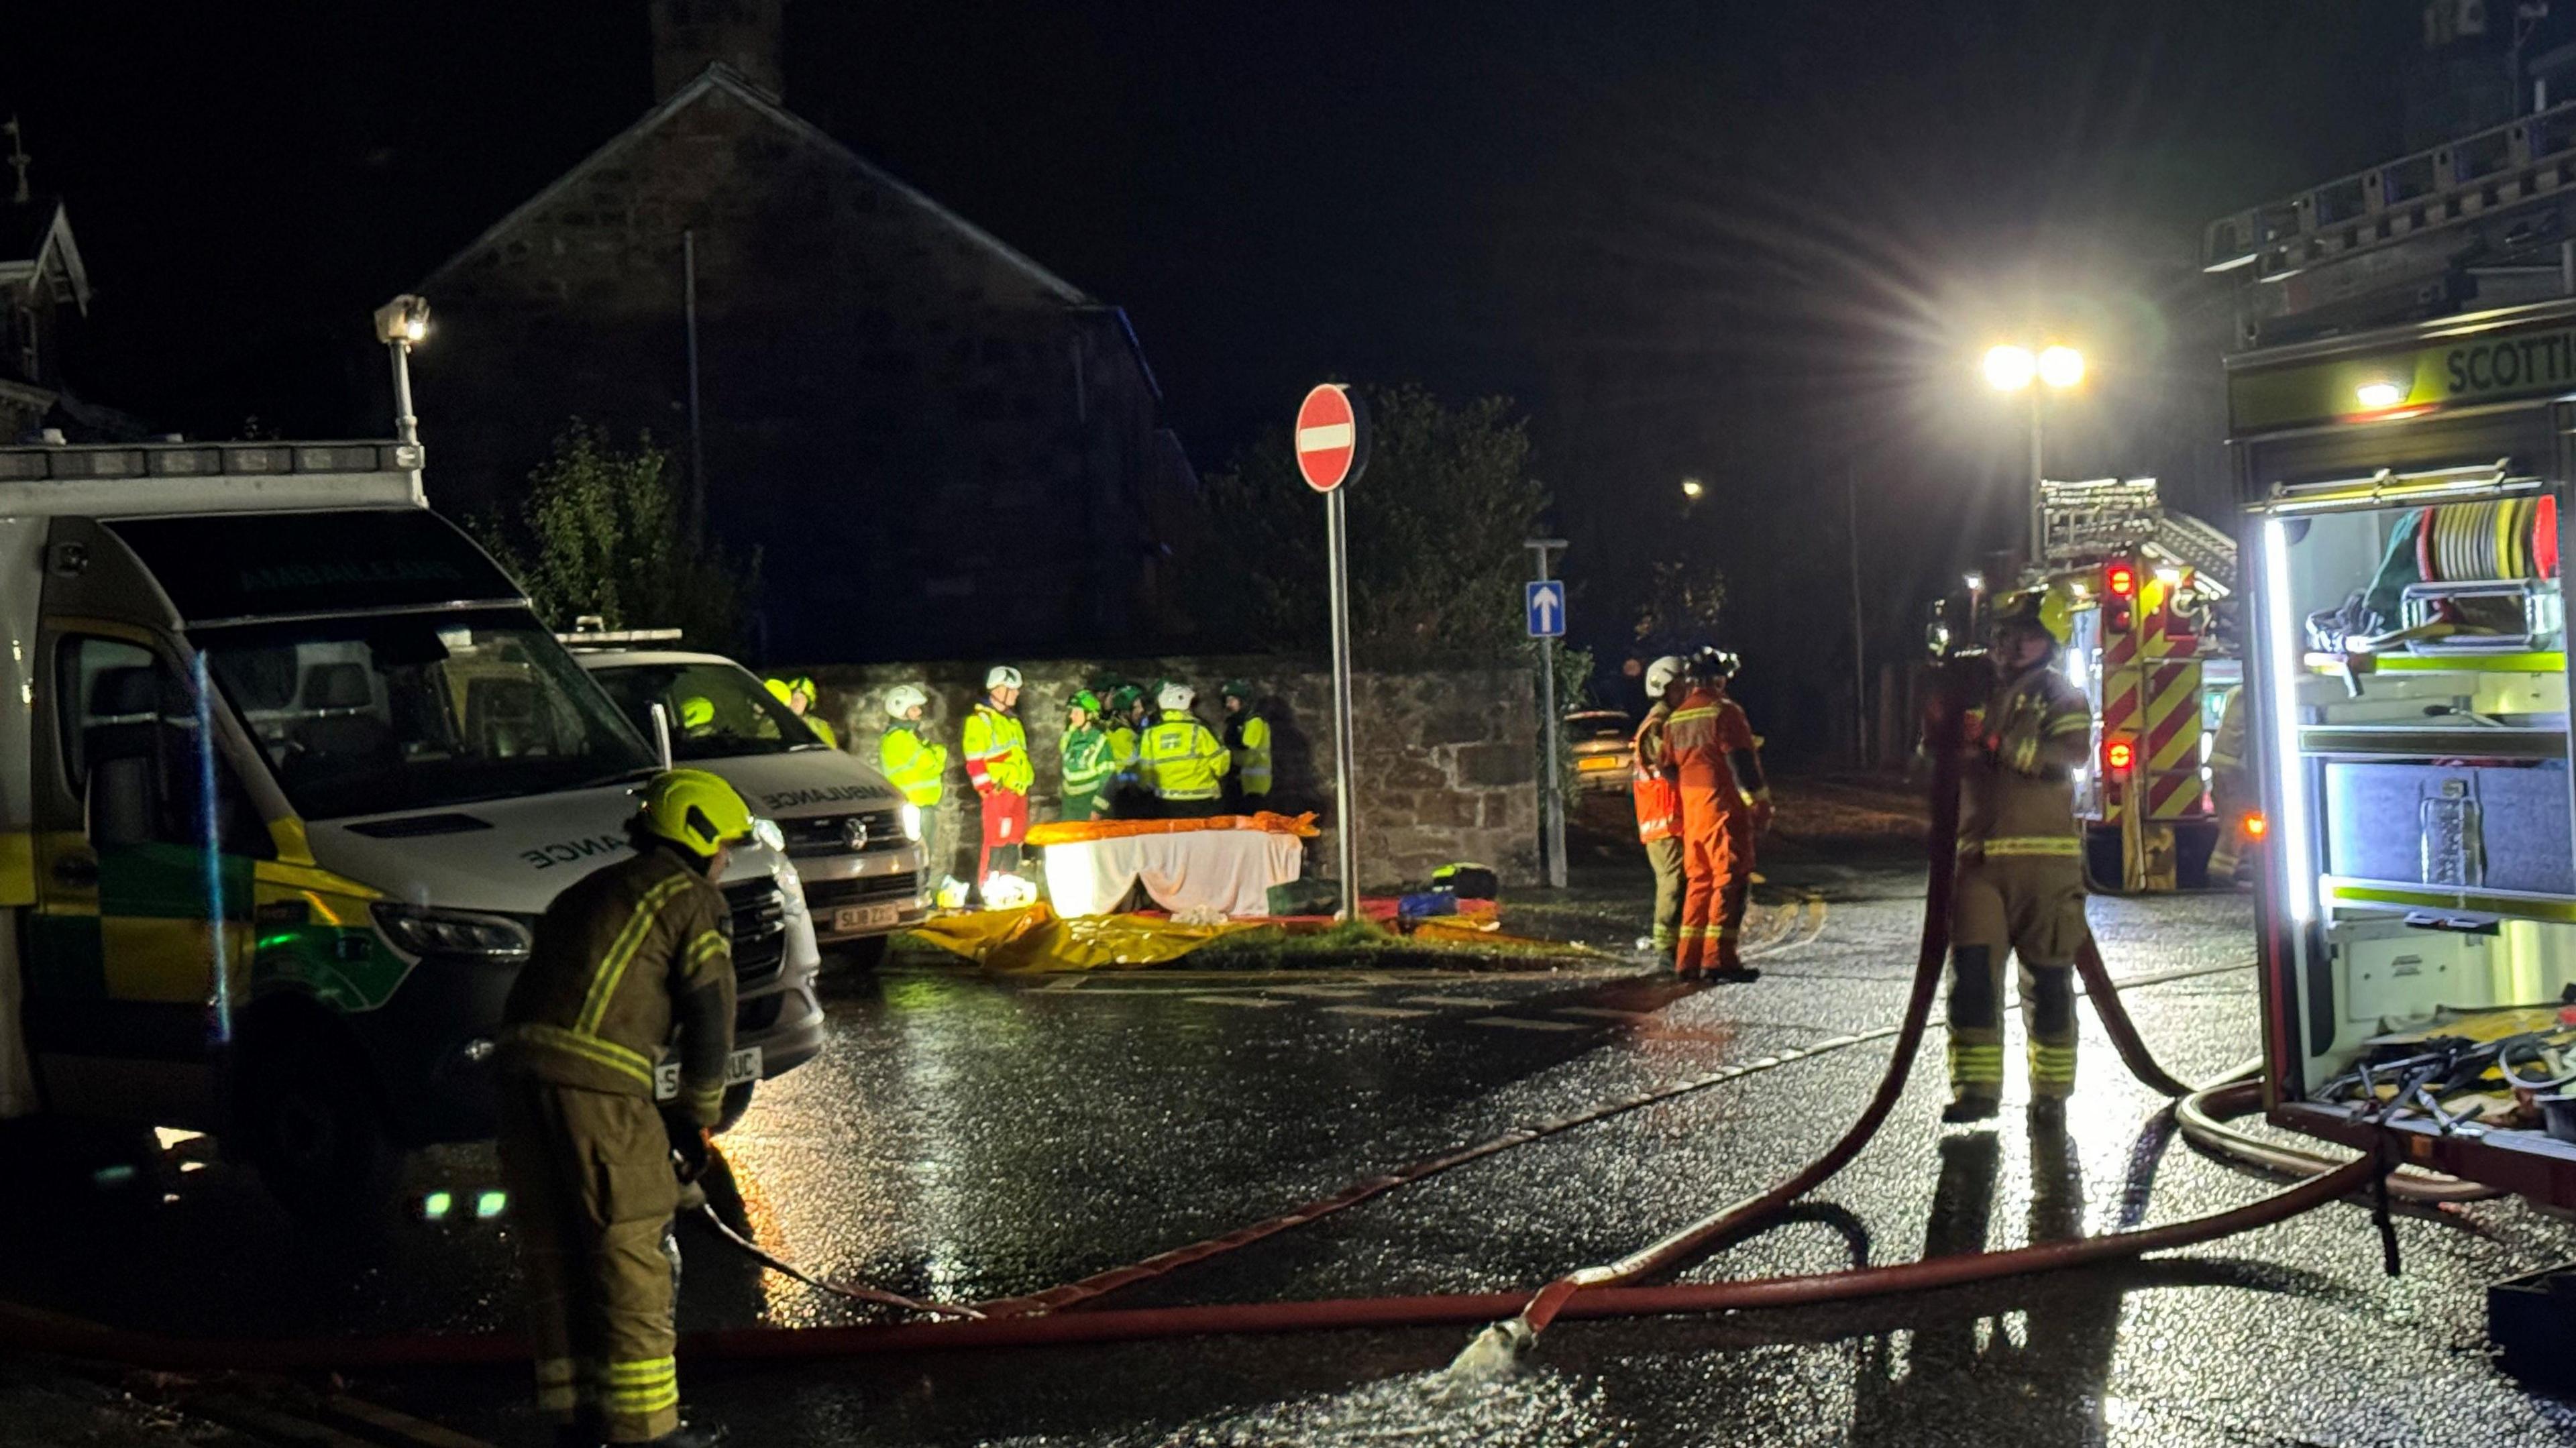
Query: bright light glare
{"points": [[1693, 487], [489, 1205], [2298, 885], [2009, 369], [436, 1206], [1976, 582], [910, 814], [2061, 367], [2375, 395]]}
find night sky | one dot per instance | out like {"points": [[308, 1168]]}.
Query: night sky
{"points": [[1759, 243]]}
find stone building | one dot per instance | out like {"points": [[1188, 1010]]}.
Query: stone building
{"points": [[937, 445], [44, 299]]}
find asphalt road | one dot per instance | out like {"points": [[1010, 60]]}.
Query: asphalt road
{"points": [[968, 1138]]}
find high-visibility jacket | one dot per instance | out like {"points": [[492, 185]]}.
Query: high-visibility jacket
{"points": [[997, 752], [1088, 764], [1124, 743], [1247, 738], [822, 731], [620, 958], [2016, 796], [1182, 759], [1651, 781], [913, 764]]}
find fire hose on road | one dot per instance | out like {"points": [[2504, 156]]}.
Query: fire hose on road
{"points": [[1611, 1290]]}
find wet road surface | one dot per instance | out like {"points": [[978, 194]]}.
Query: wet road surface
{"points": [[965, 1138]]}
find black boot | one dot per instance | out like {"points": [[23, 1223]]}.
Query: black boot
{"points": [[690, 1435], [1970, 1108]]}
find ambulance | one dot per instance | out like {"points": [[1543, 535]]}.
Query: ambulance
{"points": [[288, 768]]}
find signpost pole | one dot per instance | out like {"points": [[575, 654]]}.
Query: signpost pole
{"points": [[1551, 796], [1345, 737]]}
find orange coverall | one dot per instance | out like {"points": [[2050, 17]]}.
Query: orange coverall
{"points": [[1717, 827]]}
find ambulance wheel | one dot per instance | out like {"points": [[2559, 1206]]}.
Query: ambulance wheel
{"points": [[318, 1136], [737, 1104]]}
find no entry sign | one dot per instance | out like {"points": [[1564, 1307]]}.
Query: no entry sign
{"points": [[1331, 437]]}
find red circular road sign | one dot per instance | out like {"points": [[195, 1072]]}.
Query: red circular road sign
{"points": [[1331, 437]]}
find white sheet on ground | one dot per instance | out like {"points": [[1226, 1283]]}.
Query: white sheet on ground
{"points": [[1225, 870]]}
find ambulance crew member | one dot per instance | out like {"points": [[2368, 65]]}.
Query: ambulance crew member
{"points": [[1127, 797], [997, 760], [623, 961], [1181, 760], [798, 695], [1247, 738], [2021, 870], [1651, 783], [918, 767], [1725, 802], [1084, 760]]}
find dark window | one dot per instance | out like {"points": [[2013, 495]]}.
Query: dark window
{"points": [[116, 704], [252, 565]]}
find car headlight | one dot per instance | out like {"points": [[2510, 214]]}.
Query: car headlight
{"points": [[768, 833], [416, 930], [910, 814]]}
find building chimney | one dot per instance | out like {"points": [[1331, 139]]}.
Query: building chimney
{"points": [[746, 36]]}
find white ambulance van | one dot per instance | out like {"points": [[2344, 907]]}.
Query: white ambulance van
{"points": [[288, 767]]}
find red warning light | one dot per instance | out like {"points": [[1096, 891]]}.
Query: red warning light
{"points": [[2118, 755], [2121, 579], [2255, 825]]}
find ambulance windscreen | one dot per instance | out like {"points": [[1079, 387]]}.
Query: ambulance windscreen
{"points": [[270, 565]]}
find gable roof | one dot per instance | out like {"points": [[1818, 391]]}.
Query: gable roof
{"points": [[36, 234], [719, 77]]}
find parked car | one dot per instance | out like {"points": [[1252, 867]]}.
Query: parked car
{"points": [[853, 838], [1599, 741]]}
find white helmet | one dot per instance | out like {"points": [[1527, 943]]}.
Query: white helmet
{"points": [[1177, 698], [902, 699], [1660, 675], [1001, 676]]}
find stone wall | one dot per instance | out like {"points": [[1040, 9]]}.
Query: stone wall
{"points": [[1448, 759]]}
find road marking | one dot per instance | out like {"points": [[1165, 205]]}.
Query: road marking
{"points": [[1209, 1000], [1473, 1003], [1524, 1023], [1605, 1013], [1322, 992], [1392, 1013]]}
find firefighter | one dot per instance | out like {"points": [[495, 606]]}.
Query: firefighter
{"points": [[2231, 791], [1087, 764], [1127, 797], [918, 767], [799, 696], [1247, 740], [627, 959], [997, 760], [2021, 869], [1659, 802], [1725, 801], [1181, 760]]}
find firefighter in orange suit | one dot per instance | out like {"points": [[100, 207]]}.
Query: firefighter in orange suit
{"points": [[2021, 868], [1659, 803], [1725, 802]]}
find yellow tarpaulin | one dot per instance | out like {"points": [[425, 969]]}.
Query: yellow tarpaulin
{"points": [[1035, 938]]}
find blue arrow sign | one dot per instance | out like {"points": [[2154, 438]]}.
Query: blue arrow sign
{"points": [[1546, 605]]}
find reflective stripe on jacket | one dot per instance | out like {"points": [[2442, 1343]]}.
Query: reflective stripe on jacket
{"points": [[913, 764], [1650, 779], [1247, 738], [616, 950], [2016, 796], [1087, 765], [1182, 759], [1703, 733], [997, 752]]}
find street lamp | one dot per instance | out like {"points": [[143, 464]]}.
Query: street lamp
{"points": [[1693, 488], [2015, 369], [401, 324]]}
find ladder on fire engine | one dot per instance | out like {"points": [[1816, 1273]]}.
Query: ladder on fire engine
{"points": [[2094, 518]]}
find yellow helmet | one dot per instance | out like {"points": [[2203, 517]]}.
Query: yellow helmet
{"points": [[779, 689], [697, 713], [695, 810], [2049, 610]]}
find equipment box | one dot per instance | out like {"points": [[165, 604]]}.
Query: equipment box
{"points": [[2500, 827]]}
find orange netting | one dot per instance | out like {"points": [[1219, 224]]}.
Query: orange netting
{"points": [[1074, 832]]}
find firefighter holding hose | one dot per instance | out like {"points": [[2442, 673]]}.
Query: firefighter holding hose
{"points": [[624, 961], [1725, 802], [2020, 885]]}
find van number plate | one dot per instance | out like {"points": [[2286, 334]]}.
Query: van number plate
{"points": [[741, 1066], [847, 918]]}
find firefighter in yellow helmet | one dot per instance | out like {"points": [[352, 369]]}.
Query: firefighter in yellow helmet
{"points": [[799, 695], [2020, 888], [627, 959], [1181, 760]]}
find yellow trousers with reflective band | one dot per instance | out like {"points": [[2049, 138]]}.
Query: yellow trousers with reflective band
{"points": [[1665, 855], [591, 1196], [2030, 906]]}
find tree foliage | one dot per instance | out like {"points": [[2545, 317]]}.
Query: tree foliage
{"points": [[605, 530], [1436, 527], [1680, 605]]}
